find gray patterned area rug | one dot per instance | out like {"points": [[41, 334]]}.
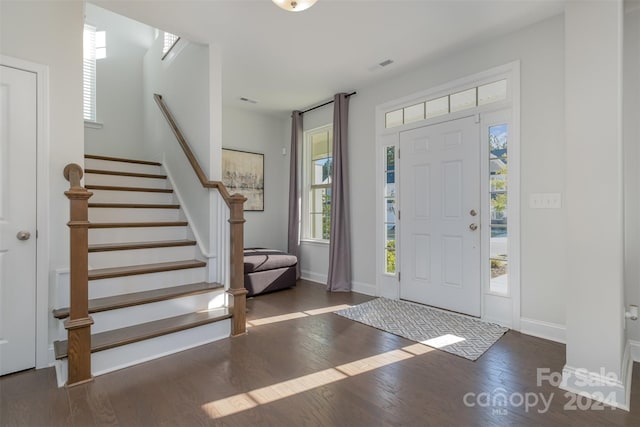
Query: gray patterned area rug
{"points": [[454, 333]]}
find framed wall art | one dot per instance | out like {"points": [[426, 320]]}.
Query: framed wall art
{"points": [[243, 173]]}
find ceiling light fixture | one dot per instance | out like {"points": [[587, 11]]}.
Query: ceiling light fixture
{"points": [[294, 5]]}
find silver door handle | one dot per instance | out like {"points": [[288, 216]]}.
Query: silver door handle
{"points": [[23, 235], [473, 227], [473, 212]]}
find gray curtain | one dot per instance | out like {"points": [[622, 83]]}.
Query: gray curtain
{"points": [[293, 246], [339, 277]]}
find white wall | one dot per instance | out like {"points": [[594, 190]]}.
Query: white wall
{"points": [[119, 86], [183, 83], [35, 32], [259, 133], [593, 101], [541, 51], [631, 141]]}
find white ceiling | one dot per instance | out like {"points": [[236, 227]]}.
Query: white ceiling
{"points": [[290, 61]]}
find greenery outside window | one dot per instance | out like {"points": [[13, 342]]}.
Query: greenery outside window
{"points": [[390, 209], [317, 168], [498, 161]]}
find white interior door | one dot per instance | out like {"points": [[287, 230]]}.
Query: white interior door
{"points": [[440, 215], [18, 133]]}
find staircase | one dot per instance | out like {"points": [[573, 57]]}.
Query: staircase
{"points": [[148, 293]]}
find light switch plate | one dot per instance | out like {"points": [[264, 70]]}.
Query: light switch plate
{"points": [[545, 200]]}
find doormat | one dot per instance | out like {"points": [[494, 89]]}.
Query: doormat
{"points": [[454, 333]]}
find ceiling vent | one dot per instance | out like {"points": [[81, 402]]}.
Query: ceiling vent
{"points": [[380, 65]]}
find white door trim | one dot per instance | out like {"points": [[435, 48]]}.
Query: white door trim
{"points": [[387, 285], [42, 203]]}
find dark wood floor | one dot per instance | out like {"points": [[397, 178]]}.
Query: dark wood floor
{"points": [[299, 366]]}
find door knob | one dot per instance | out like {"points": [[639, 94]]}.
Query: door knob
{"points": [[473, 212], [473, 227], [23, 235]]}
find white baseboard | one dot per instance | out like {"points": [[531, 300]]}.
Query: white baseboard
{"points": [[364, 288], [597, 386], [538, 328], [634, 350], [360, 287], [313, 277]]}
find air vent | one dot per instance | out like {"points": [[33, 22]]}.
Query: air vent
{"points": [[381, 65], [250, 101]]}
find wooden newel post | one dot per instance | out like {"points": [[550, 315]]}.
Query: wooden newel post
{"points": [[237, 290], [78, 325]]}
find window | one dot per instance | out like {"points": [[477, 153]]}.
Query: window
{"points": [[169, 41], [498, 256], [469, 98], [390, 209], [317, 167], [94, 48]]}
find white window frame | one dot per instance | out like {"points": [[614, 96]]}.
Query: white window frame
{"points": [[169, 41], [89, 74], [306, 183]]}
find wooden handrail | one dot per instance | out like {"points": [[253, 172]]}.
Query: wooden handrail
{"points": [[235, 203], [206, 183], [78, 325]]}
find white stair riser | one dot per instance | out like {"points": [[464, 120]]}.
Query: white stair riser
{"points": [[133, 214], [115, 319], [129, 316], [144, 282], [124, 181], [136, 234], [116, 196], [141, 256], [113, 359], [122, 166]]}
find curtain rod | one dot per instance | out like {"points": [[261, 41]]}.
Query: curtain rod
{"points": [[322, 105]]}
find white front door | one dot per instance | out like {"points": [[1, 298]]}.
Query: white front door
{"points": [[440, 215], [18, 121]]}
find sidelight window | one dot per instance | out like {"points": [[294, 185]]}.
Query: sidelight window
{"points": [[498, 247], [390, 209]]}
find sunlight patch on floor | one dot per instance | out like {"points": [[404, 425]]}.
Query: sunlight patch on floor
{"points": [[297, 315], [442, 341], [245, 401]]}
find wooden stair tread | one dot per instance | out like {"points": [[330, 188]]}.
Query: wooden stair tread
{"points": [[138, 298], [133, 205], [129, 174], [120, 159], [144, 331], [138, 224], [106, 247], [119, 188], [132, 270]]}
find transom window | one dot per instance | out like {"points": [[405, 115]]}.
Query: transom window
{"points": [[468, 98]]}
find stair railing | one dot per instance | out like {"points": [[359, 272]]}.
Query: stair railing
{"points": [[78, 325], [235, 203]]}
